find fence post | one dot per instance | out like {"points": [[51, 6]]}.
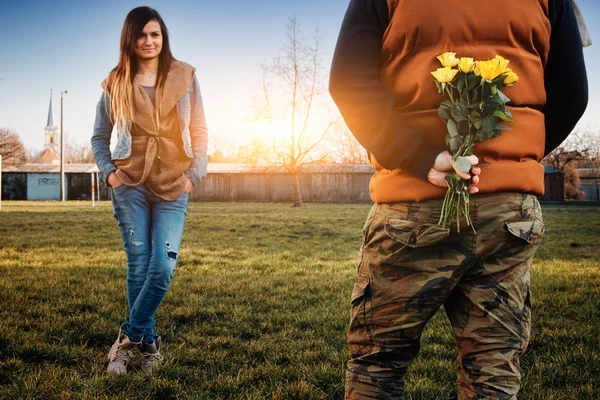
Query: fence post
{"points": [[93, 189], [0, 182]]}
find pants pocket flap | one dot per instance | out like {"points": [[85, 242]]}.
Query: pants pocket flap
{"points": [[415, 234], [531, 231], [361, 284]]}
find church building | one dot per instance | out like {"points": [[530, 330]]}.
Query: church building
{"points": [[50, 154]]}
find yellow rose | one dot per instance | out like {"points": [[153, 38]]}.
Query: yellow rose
{"points": [[502, 63], [466, 64], [445, 74], [448, 59], [511, 77], [476, 69], [489, 70]]}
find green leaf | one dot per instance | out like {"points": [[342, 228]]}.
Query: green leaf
{"points": [[485, 135], [503, 97], [463, 164], [502, 116], [491, 107], [444, 112], [452, 129], [455, 143], [474, 116], [463, 128], [461, 84], [488, 123], [494, 89], [508, 113], [496, 99], [502, 127], [464, 110], [477, 124], [457, 114], [499, 81], [473, 81]]}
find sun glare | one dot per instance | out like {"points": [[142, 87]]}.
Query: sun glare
{"points": [[267, 130]]}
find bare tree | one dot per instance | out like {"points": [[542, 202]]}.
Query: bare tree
{"points": [[258, 152], [566, 159], [589, 142], [293, 91], [222, 149], [11, 148], [346, 147], [76, 152]]}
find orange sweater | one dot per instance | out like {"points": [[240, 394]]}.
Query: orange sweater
{"points": [[417, 32]]}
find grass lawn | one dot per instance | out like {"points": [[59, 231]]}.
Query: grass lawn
{"points": [[258, 308]]}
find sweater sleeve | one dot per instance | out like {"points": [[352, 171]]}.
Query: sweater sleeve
{"points": [[365, 104], [565, 76]]}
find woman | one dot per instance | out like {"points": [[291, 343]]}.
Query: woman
{"points": [[154, 101]]}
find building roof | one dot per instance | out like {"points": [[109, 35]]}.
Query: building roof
{"points": [[51, 168], [587, 172], [47, 155], [222, 168], [213, 168]]}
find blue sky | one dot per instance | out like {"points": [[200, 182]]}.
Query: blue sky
{"points": [[72, 45]]}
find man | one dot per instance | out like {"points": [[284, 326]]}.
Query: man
{"points": [[409, 266]]}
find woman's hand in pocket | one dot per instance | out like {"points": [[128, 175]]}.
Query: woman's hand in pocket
{"points": [[188, 185], [113, 180]]}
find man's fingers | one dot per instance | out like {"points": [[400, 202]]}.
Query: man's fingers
{"points": [[476, 170], [464, 175], [473, 159], [473, 190]]}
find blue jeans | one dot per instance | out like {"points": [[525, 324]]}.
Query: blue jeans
{"points": [[151, 229]]}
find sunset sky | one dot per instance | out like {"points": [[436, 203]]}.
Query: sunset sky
{"points": [[72, 45]]}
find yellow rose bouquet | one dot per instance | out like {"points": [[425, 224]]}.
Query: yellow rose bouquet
{"points": [[473, 113]]}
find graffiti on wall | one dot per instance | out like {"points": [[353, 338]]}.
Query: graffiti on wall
{"points": [[48, 182]]}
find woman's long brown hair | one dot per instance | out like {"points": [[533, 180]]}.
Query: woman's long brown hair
{"points": [[120, 80]]}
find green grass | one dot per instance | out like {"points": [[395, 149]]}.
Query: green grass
{"points": [[258, 307]]}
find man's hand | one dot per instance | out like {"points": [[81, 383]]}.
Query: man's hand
{"points": [[188, 185], [444, 166], [113, 180]]}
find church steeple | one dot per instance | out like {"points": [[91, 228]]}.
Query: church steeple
{"points": [[50, 129], [50, 152], [50, 116]]}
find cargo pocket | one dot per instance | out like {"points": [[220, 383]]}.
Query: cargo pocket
{"points": [[408, 236], [526, 321], [360, 331], [415, 234], [531, 230]]}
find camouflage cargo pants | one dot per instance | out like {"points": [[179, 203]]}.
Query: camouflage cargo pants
{"points": [[409, 267]]}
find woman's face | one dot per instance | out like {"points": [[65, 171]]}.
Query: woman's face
{"points": [[149, 44]]}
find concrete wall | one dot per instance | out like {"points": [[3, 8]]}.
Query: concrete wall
{"points": [[590, 188], [14, 186], [43, 186]]}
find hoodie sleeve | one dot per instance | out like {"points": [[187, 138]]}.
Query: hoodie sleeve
{"points": [[365, 104], [565, 76]]}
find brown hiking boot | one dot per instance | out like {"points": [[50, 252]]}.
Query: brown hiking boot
{"points": [[120, 354], [151, 356]]}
